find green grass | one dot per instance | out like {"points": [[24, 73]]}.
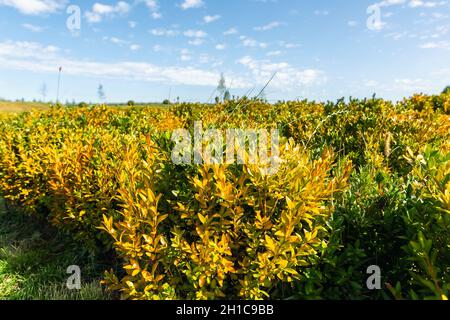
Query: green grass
{"points": [[34, 258]]}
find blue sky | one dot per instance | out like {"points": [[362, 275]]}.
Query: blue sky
{"points": [[145, 50]]}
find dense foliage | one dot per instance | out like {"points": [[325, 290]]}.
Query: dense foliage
{"points": [[360, 183]]}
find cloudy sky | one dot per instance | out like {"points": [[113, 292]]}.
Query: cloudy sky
{"points": [[147, 49]]}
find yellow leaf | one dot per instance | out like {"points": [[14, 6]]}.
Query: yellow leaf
{"points": [[202, 281], [280, 234], [202, 218], [290, 204], [135, 272], [283, 263], [270, 244]]}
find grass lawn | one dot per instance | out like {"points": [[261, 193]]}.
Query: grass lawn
{"points": [[34, 258]]}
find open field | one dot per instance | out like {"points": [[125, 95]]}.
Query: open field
{"points": [[359, 187], [17, 107], [14, 107]]}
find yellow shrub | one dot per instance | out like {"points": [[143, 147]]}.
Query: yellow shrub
{"points": [[242, 234]]}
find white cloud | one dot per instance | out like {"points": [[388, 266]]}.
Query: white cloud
{"points": [[32, 28], [204, 58], [185, 55], [197, 37], [274, 53], [195, 33], [221, 46], [100, 10], [190, 4], [135, 47], [152, 4], [436, 45], [154, 8], [379, 25], [411, 3], [441, 31], [25, 49], [35, 7], [252, 43], [209, 19], [287, 77], [35, 57], [116, 40], [388, 3], [411, 85], [397, 35], [425, 4], [230, 32], [288, 45], [132, 24], [408, 86], [161, 32], [269, 26], [196, 42], [439, 15], [352, 23], [104, 9], [438, 32], [156, 15], [93, 17]]}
